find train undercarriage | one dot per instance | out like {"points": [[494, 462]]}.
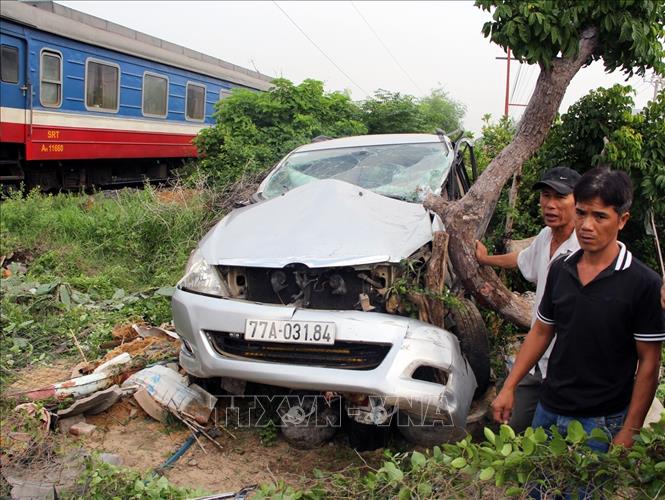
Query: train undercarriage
{"points": [[66, 175]]}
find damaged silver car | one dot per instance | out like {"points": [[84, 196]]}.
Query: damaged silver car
{"points": [[314, 286]]}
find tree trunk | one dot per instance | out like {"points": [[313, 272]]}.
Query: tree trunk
{"points": [[466, 220]]}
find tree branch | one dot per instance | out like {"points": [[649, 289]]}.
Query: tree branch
{"points": [[466, 220]]}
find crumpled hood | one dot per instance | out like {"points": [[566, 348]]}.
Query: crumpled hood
{"points": [[321, 224]]}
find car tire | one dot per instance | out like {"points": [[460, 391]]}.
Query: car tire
{"points": [[366, 437], [320, 419], [473, 337], [429, 435]]}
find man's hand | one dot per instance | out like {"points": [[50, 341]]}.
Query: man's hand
{"points": [[481, 252], [662, 289], [502, 406], [623, 438]]}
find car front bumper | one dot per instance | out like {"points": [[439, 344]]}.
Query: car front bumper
{"points": [[412, 344]]}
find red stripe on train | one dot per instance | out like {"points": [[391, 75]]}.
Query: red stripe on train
{"points": [[64, 143]]}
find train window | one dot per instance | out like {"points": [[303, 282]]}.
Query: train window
{"points": [[155, 95], [8, 64], [196, 99], [102, 86], [50, 84]]}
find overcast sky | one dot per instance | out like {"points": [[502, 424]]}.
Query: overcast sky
{"points": [[410, 47]]}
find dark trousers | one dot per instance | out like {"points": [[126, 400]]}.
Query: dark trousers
{"points": [[526, 399]]}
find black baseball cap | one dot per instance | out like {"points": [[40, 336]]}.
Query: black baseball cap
{"points": [[561, 179]]}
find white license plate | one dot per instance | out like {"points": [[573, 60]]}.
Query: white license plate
{"points": [[295, 332]]}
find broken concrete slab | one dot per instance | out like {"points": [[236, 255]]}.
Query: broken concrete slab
{"points": [[82, 429], [111, 458], [64, 424], [25, 489], [93, 404], [150, 406]]}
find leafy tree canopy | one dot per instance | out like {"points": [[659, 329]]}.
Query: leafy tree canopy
{"points": [[392, 112], [255, 129], [630, 32]]}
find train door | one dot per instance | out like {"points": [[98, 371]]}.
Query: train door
{"points": [[14, 96]]}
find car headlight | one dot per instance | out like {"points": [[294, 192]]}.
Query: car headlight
{"points": [[201, 277]]}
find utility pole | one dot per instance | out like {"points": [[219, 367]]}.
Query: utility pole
{"points": [[507, 103], [505, 109], [658, 83]]}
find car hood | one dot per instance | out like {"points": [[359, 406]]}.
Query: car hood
{"points": [[321, 224]]}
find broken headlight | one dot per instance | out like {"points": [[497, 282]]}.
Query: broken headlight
{"points": [[201, 277]]}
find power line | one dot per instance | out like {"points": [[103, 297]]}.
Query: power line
{"points": [[517, 79], [386, 48], [320, 49]]}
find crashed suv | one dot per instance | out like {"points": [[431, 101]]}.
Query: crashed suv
{"points": [[307, 288]]}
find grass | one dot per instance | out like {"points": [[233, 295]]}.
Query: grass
{"points": [[83, 263]]}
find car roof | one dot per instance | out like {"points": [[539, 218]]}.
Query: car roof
{"points": [[369, 140]]}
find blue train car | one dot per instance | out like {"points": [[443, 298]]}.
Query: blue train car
{"points": [[75, 87]]}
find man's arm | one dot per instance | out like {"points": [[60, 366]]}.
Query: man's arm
{"points": [[646, 382], [662, 295], [506, 261], [534, 346]]}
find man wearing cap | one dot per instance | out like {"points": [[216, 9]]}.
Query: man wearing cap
{"points": [[557, 206]]}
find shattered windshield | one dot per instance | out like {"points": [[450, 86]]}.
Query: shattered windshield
{"points": [[404, 171]]}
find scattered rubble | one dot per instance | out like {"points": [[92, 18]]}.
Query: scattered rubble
{"points": [[82, 429]]}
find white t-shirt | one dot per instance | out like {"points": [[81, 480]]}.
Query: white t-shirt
{"points": [[534, 264]]}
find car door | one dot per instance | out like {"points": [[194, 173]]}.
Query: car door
{"points": [[13, 89]]}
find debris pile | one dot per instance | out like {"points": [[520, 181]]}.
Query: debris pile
{"points": [[141, 365]]}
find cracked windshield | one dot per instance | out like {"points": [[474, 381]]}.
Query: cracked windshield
{"points": [[406, 171]]}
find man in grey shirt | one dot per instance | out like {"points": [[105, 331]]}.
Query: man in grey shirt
{"points": [[557, 206]]}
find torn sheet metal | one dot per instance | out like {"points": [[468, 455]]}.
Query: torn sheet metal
{"points": [[321, 224], [95, 403]]}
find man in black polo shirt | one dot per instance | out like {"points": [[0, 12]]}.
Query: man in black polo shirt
{"points": [[604, 306]]}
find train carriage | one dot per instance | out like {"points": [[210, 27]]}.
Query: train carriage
{"points": [[88, 102]]}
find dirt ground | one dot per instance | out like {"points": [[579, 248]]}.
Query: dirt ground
{"points": [[144, 444]]}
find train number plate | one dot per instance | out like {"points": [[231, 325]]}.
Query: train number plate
{"points": [[287, 331]]}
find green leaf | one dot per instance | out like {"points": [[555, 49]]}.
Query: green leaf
{"points": [[459, 462], [45, 288], [599, 434], [486, 473], [417, 459], [506, 432], [424, 489], [166, 291], [528, 446], [558, 446], [660, 466], [507, 448], [404, 493], [393, 473], [539, 435], [514, 491], [65, 297], [575, 432], [489, 435]]}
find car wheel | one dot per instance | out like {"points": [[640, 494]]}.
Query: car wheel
{"points": [[307, 420], [432, 434], [473, 335]]}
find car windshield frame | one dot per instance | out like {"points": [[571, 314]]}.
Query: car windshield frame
{"points": [[405, 171]]}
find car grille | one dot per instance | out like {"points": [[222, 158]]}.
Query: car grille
{"points": [[345, 355], [316, 294]]}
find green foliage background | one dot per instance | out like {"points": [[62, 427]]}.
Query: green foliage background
{"points": [[255, 130]]}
